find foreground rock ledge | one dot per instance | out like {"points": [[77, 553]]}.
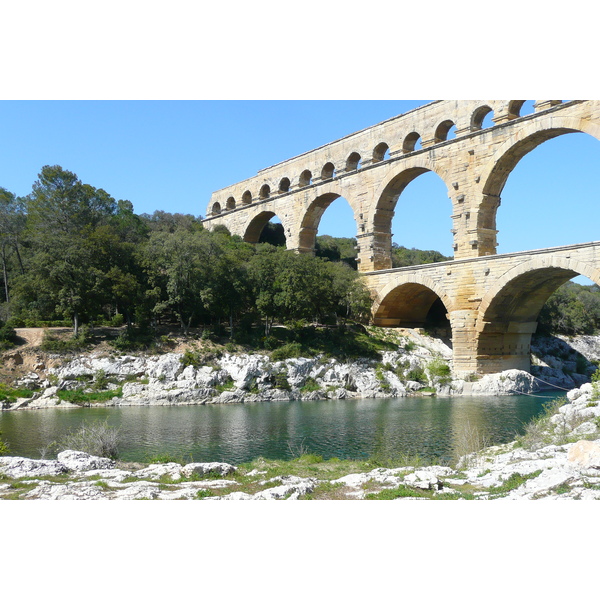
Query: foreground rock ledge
{"points": [[563, 464]]}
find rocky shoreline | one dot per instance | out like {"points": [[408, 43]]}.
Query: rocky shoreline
{"points": [[171, 379], [557, 458]]}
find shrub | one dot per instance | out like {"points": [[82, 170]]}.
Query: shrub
{"points": [[191, 358], [3, 447], [8, 336], [439, 372], [98, 439], [417, 374], [292, 350], [310, 385], [281, 381]]}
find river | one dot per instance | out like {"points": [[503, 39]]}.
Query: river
{"points": [[425, 426]]}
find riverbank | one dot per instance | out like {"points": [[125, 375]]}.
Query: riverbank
{"points": [[558, 457], [198, 372]]}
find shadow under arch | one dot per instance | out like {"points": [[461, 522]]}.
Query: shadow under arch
{"points": [[256, 226], [510, 309], [388, 195], [495, 174], [414, 302], [312, 217]]}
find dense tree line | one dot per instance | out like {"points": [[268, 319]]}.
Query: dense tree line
{"points": [[72, 253], [572, 310]]}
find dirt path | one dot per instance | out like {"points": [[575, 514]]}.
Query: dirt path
{"points": [[33, 336]]}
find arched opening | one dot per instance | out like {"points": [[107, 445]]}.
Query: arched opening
{"points": [[328, 171], [381, 152], [572, 309], [482, 118], [510, 318], [411, 142], [247, 197], [329, 229], [413, 305], [284, 185], [265, 192], [230, 203], [216, 209], [353, 162], [445, 131], [305, 178], [550, 191], [266, 227], [520, 108], [412, 222]]}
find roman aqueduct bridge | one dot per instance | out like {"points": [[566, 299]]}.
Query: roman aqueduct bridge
{"points": [[492, 301]]}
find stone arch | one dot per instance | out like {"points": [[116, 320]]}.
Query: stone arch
{"points": [[230, 204], [478, 116], [528, 137], [305, 178], [387, 196], [247, 197], [379, 152], [284, 185], [410, 142], [353, 162], [407, 301], [509, 310], [442, 131], [312, 217], [328, 171], [256, 225], [216, 209], [265, 191]]}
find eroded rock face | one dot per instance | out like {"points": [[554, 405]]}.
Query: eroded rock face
{"points": [[585, 453]]}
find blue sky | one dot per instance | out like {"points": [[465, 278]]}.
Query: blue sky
{"points": [[171, 155]]}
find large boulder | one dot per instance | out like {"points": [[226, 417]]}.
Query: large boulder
{"points": [[75, 460], [584, 454], [16, 466]]}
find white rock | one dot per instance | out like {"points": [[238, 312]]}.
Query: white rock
{"points": [[16, 466], [80, 461], [204, 468]]}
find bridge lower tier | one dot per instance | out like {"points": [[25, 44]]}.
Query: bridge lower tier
{"points": [[490, 304]]}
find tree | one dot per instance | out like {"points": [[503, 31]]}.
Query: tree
{"points": [[67, 230], [12, 222]]}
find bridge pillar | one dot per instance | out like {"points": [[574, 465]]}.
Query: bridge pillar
{"points": [[503, 346], [464, 347]]}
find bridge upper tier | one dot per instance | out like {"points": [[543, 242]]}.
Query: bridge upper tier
{"points": [[372, 167]]}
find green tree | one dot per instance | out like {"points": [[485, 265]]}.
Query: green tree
{"points": [[66, 230], [12, 222]]}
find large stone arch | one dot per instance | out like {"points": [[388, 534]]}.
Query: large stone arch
{"points": [[526, 138], [312, 216], [257, 223], [406, 301], [386, 197], [509, 310]]}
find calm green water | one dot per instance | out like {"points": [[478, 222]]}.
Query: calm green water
{"points": [[236, 433]]}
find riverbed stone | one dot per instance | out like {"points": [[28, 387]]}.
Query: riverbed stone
{"points": [[81, 461], [16, 466], [585, 454], [207, 468]]}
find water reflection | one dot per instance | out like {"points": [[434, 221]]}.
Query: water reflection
{"points": [[236, 433]]}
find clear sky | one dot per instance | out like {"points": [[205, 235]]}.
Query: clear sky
{"points": [[171, 155]]}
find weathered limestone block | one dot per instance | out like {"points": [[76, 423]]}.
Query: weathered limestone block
{"points": [[585, 454]]}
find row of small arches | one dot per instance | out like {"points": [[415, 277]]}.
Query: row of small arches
{"points": [[481, 118]]}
